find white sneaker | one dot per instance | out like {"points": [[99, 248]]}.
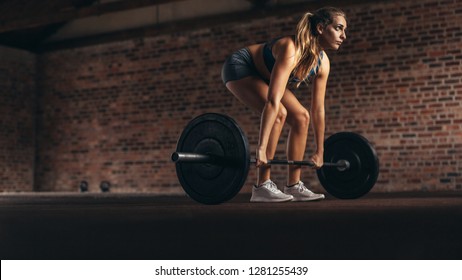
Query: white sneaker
{"points": [[268, 192], [302, 193]]}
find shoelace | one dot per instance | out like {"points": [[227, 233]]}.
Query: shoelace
{"points": [[273, 187], [301, 187]]}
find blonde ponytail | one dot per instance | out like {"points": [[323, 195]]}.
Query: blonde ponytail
{"points": [[308, 50]]}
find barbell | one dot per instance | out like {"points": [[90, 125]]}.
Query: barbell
{"points": [[212, 161]]}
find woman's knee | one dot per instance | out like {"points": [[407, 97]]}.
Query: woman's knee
{"points": [[301, 119], [282, 115]]}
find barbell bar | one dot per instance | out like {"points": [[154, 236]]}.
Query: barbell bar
{"points": [[212, 161], [179, 157]]}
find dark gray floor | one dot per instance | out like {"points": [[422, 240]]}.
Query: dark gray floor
{"points": [[141, 226]]}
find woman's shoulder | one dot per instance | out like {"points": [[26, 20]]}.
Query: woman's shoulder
{"points": [[324, 64], [286, 41], [324, 58], [285, 45]]}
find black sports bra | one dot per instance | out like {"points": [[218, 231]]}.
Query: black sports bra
{"points": [[270, 60]]}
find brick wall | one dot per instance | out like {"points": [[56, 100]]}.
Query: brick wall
{"points": [[17, 109], [399, 83], [114, 111]]}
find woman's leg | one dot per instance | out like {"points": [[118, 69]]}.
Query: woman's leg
{"points": [[253, 92], [299, 120]]}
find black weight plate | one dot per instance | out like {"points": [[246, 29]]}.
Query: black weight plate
{"points": [[364, 166], [215, 134]]}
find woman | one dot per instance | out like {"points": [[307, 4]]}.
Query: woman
{"points": [[261, 76]]}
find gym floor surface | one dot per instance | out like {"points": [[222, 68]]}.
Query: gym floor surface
{"points": [[146, 226]]}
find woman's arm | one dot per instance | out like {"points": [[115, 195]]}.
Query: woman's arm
{"points": [[284, 53], [318, 109]]}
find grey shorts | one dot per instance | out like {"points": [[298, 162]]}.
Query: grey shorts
{"points": [[238, 65]]}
